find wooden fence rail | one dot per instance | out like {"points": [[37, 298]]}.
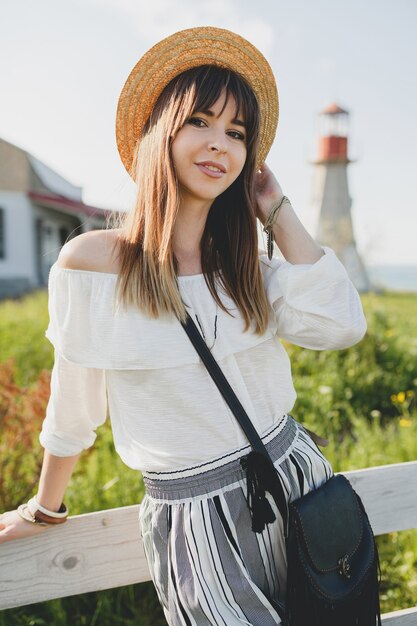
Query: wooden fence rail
{"points": [[103, 550]]}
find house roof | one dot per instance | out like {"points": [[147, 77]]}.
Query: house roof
{"points": [[21, 171], [62, 203], [54, 182]]}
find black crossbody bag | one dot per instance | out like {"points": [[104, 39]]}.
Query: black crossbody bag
{"points": [[333, 566]]}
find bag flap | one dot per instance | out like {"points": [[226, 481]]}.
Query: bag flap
{"points": [[329, 523]]}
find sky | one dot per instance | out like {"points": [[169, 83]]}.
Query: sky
{"points": [[63, 65]]}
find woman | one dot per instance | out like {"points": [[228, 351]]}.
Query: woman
{"points": [[195, 121]]}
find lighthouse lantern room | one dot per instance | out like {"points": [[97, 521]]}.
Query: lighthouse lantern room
{"points": [[333, 130]]}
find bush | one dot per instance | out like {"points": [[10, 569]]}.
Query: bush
{"points": [[22, 336], [376, 377], [21, 414]]}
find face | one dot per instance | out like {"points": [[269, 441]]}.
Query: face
{"points": [[209, 151]]}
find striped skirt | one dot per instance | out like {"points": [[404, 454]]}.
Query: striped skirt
{"points": [[208, 567]]}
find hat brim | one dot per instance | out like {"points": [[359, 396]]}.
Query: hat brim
{"points": [[180, 52]]}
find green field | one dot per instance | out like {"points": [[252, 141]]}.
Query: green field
{"points": [[362, 399]]}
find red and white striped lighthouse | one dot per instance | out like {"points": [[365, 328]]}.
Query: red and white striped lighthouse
{"points": [[331, 198]]}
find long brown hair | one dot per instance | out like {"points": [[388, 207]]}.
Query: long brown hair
{"points": [[229, 244]]}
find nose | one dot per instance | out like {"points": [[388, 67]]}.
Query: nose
{"points": [[217, 144]]}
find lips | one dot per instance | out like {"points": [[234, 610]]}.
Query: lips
{"points": [[211, 168]]}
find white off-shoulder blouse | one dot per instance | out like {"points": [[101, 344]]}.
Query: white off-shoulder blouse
{"points": [[165, 410]]}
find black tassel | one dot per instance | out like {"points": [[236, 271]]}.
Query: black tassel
{"points": [[258, 469]]}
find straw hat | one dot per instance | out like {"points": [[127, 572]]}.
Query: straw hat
{"points": [[180, 52]]}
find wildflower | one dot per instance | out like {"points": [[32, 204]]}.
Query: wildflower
{"points": [[405, 422], [410, 393], [401, 396], [375, 413], [393, 398]]}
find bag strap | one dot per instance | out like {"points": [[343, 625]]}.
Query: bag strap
{"points": [[224, 386], [260, 471]]}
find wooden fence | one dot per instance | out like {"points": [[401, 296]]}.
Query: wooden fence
{"points": [[103, 550]]}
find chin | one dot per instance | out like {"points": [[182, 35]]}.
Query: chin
{"points": [[205, 197]]}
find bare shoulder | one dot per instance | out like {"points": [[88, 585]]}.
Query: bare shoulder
{"points": [[95, 250]]}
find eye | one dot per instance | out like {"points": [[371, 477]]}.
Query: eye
{"points": [[237, 135], [196, 121]]}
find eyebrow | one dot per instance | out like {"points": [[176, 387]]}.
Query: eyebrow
{"points": [[236, 121]]}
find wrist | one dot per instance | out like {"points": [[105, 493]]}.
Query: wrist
{"points": [[35, 513], [275, 210], [52, 504], [266, 207], [271, 221]]}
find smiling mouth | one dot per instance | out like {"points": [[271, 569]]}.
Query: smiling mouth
{"points": [[211, 170]]}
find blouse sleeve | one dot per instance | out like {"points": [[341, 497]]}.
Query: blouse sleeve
{"points": [[77, 406], [78, 399], [316, 305]]}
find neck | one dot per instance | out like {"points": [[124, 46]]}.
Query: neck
{"points": [[188, 230]]}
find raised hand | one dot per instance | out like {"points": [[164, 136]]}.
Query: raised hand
{"points": [[267, 191]]}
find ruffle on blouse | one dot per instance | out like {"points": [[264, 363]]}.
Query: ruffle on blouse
{"points": [[312, 305], [87, 328]]}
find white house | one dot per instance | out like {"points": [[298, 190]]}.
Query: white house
{"points": [[39, 212]]}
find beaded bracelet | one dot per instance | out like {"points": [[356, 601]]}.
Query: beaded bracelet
{"points": [[270, 222]]}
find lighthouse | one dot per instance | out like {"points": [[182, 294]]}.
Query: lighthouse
{"points": [[331, 198]]}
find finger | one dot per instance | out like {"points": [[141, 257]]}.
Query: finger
{"points": [[4, 535]]}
